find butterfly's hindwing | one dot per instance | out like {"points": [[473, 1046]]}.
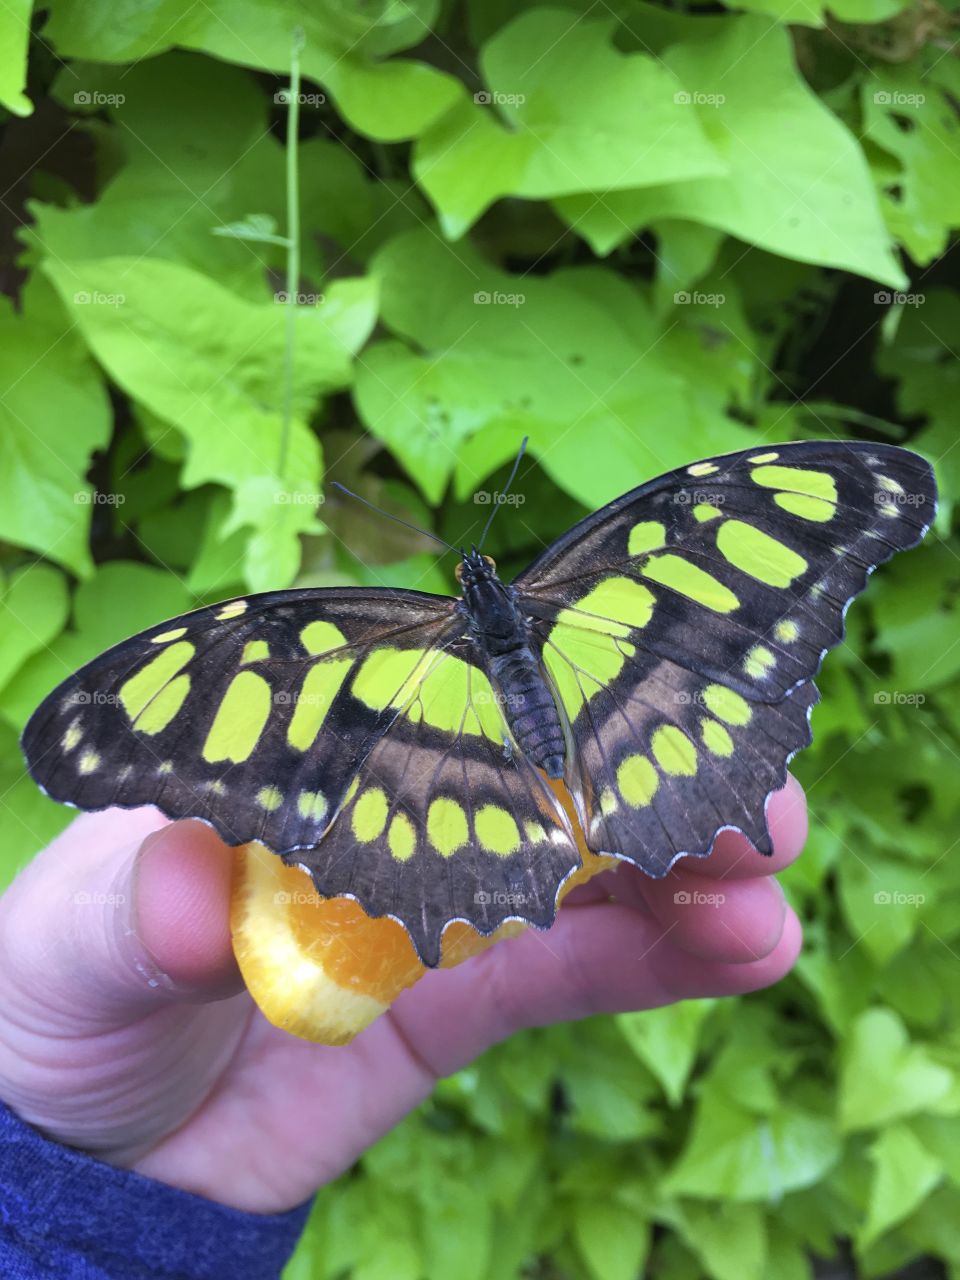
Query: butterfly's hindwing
{"points": [[681, 626]]}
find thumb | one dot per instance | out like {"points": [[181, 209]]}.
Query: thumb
{"points": [[121, 913]]}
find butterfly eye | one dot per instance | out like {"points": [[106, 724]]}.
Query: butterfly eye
{"points": [[490, 561], [458, 572]]}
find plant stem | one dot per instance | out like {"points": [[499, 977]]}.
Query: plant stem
{"points": [[293, 243]]}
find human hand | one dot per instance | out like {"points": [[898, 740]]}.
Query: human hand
{"points": [[125, 1029]]}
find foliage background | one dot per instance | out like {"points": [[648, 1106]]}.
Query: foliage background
{"points": [[725, 228]]}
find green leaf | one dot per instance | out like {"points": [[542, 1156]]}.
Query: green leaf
{"points": [[14, 42], [182, 345], [730, 1239], [33, 610], [905, 1173], [28, 820], [813, 13], [488, 358], [883, 902], [457, 1231], [578, 115], [733, 1155], [389, 100], [812, 200], [883, 1076], [910, 115], [49, 381], [666, 1040], [613, 1239]]}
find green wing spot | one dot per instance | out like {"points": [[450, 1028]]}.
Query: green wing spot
{"points": [[167, 636], [817, 484], [447, 825], [786, 631], [456, 697], [88, 761], [312, 805], [577, 658], [759, 661], [160, 710], [320, 686], [704, 511], [691, 581], [370, 814], [702, 469], [240, 719], [807, 508], [255, 651], [648, 535], [616, 606], [270, 798], [496, 830], [674, 752], [387, 678], [401, 838], [136, 692], [727, 705], [320, 637], [638, 781], [716, 739], [759, 555]]}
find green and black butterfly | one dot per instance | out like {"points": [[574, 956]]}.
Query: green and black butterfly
{"points": [[397, 745]]}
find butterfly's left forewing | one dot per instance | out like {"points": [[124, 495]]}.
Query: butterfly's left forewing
{"points": [[239, 713], [681, 626]]}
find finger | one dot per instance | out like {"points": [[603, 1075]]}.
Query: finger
{"points": [[120, 913], [598, 959], [731, 922]]}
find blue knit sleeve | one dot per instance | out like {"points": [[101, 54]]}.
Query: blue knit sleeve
{"points": [[65, 1215]]}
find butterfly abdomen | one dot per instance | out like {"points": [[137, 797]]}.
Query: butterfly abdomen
{"points": [[529, 709]]}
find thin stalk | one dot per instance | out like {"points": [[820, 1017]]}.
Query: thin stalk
{"points": [[293, 243]]}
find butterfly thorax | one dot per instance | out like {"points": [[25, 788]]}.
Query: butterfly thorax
{"points": [[501, 629]]}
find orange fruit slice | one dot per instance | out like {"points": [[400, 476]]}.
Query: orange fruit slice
{"points": [[321, 968]]}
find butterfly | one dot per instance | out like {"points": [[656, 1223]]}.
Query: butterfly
{"points": [[658, 659]]}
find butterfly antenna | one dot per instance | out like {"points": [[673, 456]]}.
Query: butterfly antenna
{"points": [[390, 516], [503, 494]]}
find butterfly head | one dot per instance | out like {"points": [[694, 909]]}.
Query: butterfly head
{"points": [[475, 568]]}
